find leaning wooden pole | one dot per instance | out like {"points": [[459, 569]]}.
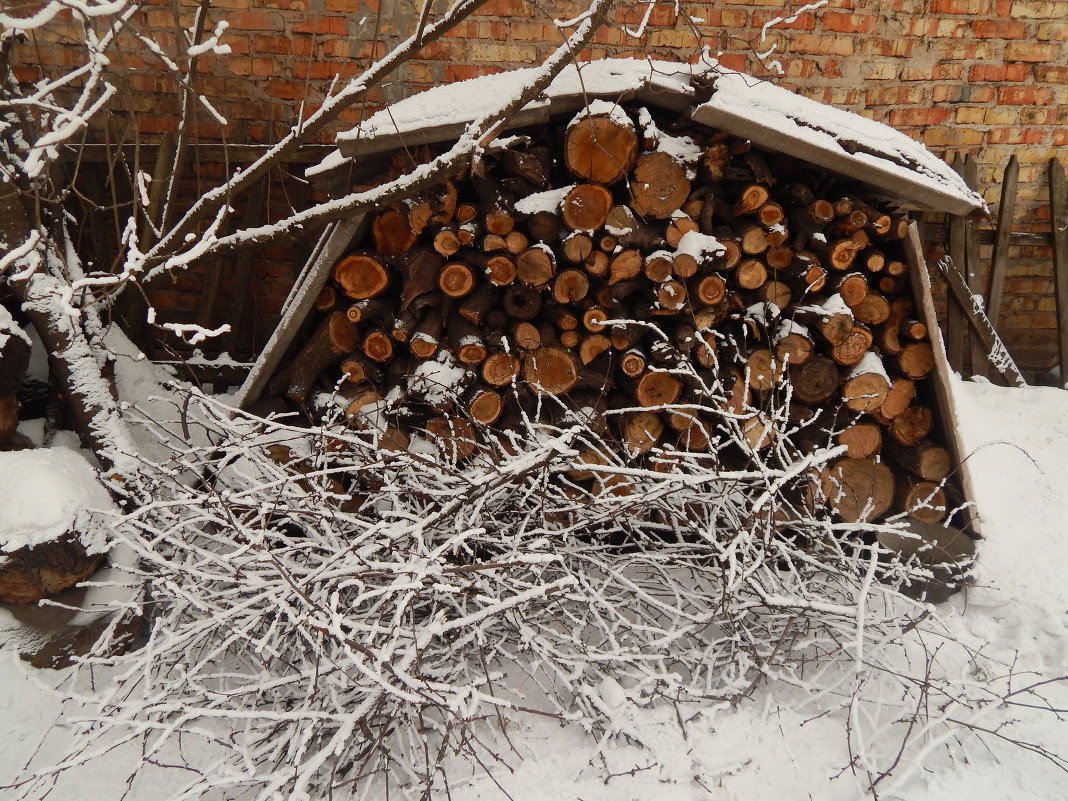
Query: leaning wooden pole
{"points": [[1058, 203]]}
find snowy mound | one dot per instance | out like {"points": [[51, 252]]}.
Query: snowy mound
{"points": [[47, 493]]}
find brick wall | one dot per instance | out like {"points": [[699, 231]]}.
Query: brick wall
{"points": [[986, 77]]}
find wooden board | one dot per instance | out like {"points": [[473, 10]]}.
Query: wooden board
{"points": [[298, 305], [921, 286]]}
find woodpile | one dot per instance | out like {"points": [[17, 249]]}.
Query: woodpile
{"points": [[613, 267]]}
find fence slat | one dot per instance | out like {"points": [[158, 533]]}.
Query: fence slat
{"points": [[1058, 204], [1003, 238]]}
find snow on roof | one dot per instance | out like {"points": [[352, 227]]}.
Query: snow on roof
{"points": [[465, 101], [769, 115]]}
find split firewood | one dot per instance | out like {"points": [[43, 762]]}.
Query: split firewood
{"points": [[898, 398], [358, 369], [852, 349], [640, 431], [577, 247], [536, 266], [570, 286], [393, 235], [485, 405]]}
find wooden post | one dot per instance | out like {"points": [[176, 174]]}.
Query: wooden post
{"points": [[921, 287], [954, 314], [1002, 240], [1058, 203]]}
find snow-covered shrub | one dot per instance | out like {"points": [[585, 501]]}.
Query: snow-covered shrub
{"points": [[327, 613]]}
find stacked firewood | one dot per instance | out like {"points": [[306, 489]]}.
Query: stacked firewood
{"points": [[613, 266]]}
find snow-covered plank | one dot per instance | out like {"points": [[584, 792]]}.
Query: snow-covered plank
{"points": [[838, 140], [947, 412], [298, 305], [442, 113]]}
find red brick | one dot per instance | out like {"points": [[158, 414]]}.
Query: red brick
{"points": [[999, 29], [1048, 74], [1032, 51], [999, 72], [331, 26], [1060, 137], [919, 116], [960, 7], [255, 21], [835, 22], [1014, 135], [1024, 96]]}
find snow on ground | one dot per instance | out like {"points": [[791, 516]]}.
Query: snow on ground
{"points": [[1017, 441]]}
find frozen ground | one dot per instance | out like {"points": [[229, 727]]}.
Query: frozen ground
{"points": [[1017, 440]]}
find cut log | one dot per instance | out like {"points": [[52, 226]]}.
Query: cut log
{"points": [[593, 320], [378, 346], [751, 198], [762, 369], [671, 296], [921, 500], [659, 186], [420, 270], [476, 305], [601, 147], [327, 298], [592, 346], [570, 286], [710, 290], [633, 362], [867, 385], [816, 380], [858, 489], [679, 226], [550, 370], [586, 207], [446, 241], [749, 274], [455, 436], [912, 425], [521, 302], [527, 336], [500, 369], [852, 349], [915, 360], [925, 459], [361, 276], [358, 369], [456, 280], [655, 389], [536, 266], [335, 337], [465, 340], [775, 292], [393, 235], [873, 309], [485, 405], [861, 439], [577, 247], [658, 266], [640, 431], [544, 226], [898, 398]]}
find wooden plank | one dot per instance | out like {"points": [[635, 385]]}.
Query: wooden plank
{"points": [[955, 326], [896, 183], [252, 215], [992, 350], [939, 233], [298, 305], [1058, 204], [1002, 239], [203, 152], [980, 363], [947, 412]]}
